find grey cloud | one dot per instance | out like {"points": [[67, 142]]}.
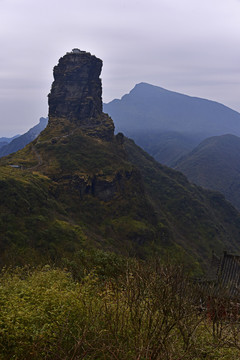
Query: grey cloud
{"points": [[188, 46]]}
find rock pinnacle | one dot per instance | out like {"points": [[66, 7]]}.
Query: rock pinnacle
{"points": [[76, 94]]}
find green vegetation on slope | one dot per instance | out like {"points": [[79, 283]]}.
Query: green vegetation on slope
{"points": [[195, 218], [73, 192], [69, 193]]}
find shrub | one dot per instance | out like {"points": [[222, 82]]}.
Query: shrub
{"points": [[147, 313]]}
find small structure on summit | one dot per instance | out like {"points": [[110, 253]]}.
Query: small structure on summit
{"points": [[76, 51]]}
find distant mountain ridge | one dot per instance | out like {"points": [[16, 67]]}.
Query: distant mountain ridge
{"points": [[166, 147], [215, 164], [6, 140], [152, 112], [18, 142], [148, 106], [196, 136]]}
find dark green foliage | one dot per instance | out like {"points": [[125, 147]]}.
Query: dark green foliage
{"points": [[106, 265], [189, 212]]}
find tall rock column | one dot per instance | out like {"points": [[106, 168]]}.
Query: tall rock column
{"points": [[76, 94]]}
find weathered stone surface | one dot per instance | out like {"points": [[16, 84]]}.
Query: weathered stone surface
{"points": [[76, 94]]}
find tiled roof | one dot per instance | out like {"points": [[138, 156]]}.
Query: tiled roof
{"points": [[229, 273], [224, 276]]}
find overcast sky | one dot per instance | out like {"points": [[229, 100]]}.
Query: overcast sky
{"points": [[189, 46]]}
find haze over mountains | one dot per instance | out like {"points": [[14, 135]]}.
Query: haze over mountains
{"points": [[180, 122], [195, 136], [78, 186], [152, 107], [6, 140], [19, 141], [215, 164]]}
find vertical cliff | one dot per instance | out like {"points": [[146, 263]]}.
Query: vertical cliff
{"points": [[76, 95]]}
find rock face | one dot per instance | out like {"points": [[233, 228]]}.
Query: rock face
{"points": [[76, 94]]}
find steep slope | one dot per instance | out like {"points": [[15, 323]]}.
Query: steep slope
{"points": [[151, 111], [200, 219], [77, 185], [18, 142], [215, 164]]}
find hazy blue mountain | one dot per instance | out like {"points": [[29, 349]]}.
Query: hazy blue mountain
{"points": [[215, 164], [152, 107], [169, 124], [166, 147], [2, 143], [19, 141], [6, 140]]}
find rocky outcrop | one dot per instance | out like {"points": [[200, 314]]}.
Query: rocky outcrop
{"points": [[99, 186], [76, 94]]}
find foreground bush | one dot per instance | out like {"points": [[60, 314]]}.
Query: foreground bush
{"points": [[147, 314], [37, 311]]}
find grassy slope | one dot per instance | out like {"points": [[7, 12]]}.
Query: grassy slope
{"points": [[52, 205], [199, 220], [74, 191]]}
